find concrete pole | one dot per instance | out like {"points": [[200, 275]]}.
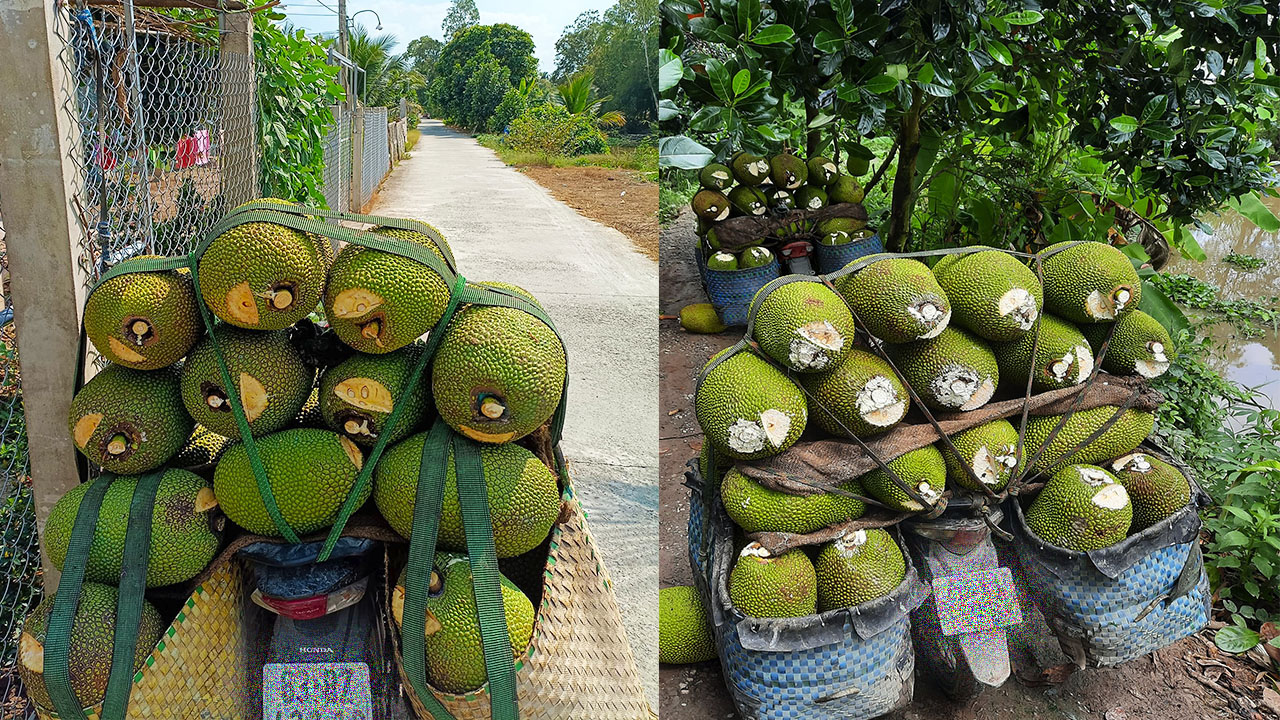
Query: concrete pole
{"points": [[238, 105], [357, 163], [346, 76], [48, 278]]}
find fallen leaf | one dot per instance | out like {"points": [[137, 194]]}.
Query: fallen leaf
{"points": [[673, 412], [1271, 700]]}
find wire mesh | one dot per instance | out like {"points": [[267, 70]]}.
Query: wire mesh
{"points": [[337, 162], [375, 156]]}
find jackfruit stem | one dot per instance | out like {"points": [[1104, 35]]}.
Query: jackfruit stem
{"points": [[281, 299], [436, 583], [371, 329], [140, 329], [215, 401], [118, 445]]}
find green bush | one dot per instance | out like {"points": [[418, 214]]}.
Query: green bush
{"points": [[512, 106], [551, 130]]}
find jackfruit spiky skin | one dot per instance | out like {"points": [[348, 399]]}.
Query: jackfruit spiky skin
{"points": [[844, 189], [767, 586], [1090, 282], [524, 497], [310, 472], [183, 536], [716, 177], [161, 304], [756, 508], [93, 633], [788, 171], [497, 374], [748, 200], [1156, 489], [309, 416], [811, 197], [130, 421], [262, 276], [923, 469], [780, 199], [377, 302], [358, 395], [748, 169], [1063, 357], [1140, 345], [992, 294], [838, 230], [711, 205], [701, 318], [1082, 508], [897, 299], [748, 409], [804, 326], [862, 393], [858, 567], [990, 450], [272, 381], [954, 371], [203, 448], [324, 245], [822, 171], [684, 627], [1121, 438], [454, 658]]}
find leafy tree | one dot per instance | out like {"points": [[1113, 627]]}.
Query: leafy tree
{"points": [[372, 54], [421, 56], [462, 14], [578, 97], [619, 48], [475, 70], [575, 45]]}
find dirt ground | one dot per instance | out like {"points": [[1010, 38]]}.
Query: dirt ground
{"points": [[620, 199], [1191, 680]]}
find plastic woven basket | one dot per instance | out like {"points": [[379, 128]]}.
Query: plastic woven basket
{"points": [[833, 257], [731, 291]]}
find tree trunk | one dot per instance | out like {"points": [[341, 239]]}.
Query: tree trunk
{"points": [[813, 138], [904, 180]]}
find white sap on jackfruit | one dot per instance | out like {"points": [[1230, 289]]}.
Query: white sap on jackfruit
{"points": [[1019, 305], [817, 340], [878, 402]]}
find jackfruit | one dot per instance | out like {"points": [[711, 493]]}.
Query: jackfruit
{"points": [[922, 469], [1090, 282], [858, 567], [1156, 489], [859, 162], [524, 497], [515, 289], [1139, 345], [766, 586], [862, 393], [838, 230], [203, 448], [747, 200], [1121, 438], [788, 171], [684, 628], [184, 537], [309, 416], [262, 276], [748, 409], [310, 472], [93, 634], [271, 380], [130, 421], [454, 657], [897, 299], [701, 318], [143, 320], [754, 257], [324, 245], [822, 171], [378, 301], [952, 371], [358, 395], [844, 189], [811, 197], [1082, 508], [1063, 358], [497, 374], [990, 450], [756, 508], [780, 199], [716, 177], [803, 325], [723, 261], [711, 205], [992, 294], [750, 170]]}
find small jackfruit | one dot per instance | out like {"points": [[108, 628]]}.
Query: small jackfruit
{"points": [[711, 205], [1089, 282], [897, 299], [953, 371], [748, 409], [756, 508], [844, 189], [1063, 357], [1120, 438], [270, 378], [862, 394], [1156, 489], [748, 200], [788, 171], [990, 450], [748, 169], [767, 586], [839, 230], [716, 177], [130, 421], [822, 170], [701, 318], [811, 197], [143, 320], [804, 326], [1082, 508], [858, 567], [1140, 344], [684, 627], [992, 294], [923, 470]]}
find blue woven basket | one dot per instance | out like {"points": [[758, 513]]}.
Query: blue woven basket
{"points": [[833, 257], [731, 291]]}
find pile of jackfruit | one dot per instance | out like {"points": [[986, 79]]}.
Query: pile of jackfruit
{"points": [[321, 347]]}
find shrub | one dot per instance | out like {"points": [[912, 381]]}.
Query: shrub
{"points": [[512, 106], [551, 130]]}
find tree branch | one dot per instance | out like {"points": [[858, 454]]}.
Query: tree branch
{"points": [[879, 173]]}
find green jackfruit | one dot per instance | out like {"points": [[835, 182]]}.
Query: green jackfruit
{"points": [[272, 381], [701, 318], [992, 294], [1139, 345], [767, 586], [130, 421], [862, 393], [262, 276], [711, 205], [723, 262], [922, 469], [780, 199], [1156, 489], [524, 497], [203, 448], [953, 371], [990, 450], [844, 189], [143, 320], [93, 633], [454, 658], [1090, 282], [748, 409], [803, 325], [1121, 438], [754, 257], [839, 230], [184, 538], [822, 170], [716, 177], [788, 171], [498, 373], [748, 169], [811, 197], [684, 627], [756, 508], [310, 472], [358, 395], [378, 301], [858, 567], [747, 200], [1063, 358], [1082, 508], [897, 299]]}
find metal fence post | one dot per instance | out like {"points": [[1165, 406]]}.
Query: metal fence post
{"points": [[237, 99], [357, 162]]}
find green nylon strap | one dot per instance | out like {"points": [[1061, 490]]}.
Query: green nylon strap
{"points": [[495, 636], [140, 265]]}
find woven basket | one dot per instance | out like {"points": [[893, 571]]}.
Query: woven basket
{"points": [[579, 664], [731, 291], [834, 257], [200, 660]]}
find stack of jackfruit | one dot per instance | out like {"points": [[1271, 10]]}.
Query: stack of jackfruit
{"points": [[316, 403]]}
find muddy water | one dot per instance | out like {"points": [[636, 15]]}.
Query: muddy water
{"points": [[1253, 362]]}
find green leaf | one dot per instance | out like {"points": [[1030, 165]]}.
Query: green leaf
{"points": [[678, 151], [821, 120], [881, 84], [1252, 208], [898, 72], [925, 75], [741, 82], [1163, 133], [1137, 252], [1155, 108], [828, 42], [670, 70], [999, 52], [1235, 639], [667, 110], [1158, 305], [773, 35], [1124, 123], [748, 16], [1023, 17], [1235, 538], [1253, 10], [721, 83], [1274, 642]]}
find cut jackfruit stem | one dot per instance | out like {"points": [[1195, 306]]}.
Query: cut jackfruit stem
{"points": [[140, 330], [371, 330], [118, 445], [436, 584], [492, 408]]}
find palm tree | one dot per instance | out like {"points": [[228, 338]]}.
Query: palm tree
{"points": [[372, 54], [576, 95]]}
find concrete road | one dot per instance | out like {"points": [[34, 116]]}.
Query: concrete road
{"points": [[603, 297]]}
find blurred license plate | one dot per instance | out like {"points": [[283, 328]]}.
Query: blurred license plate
{"points": [[316, 691], [976, 601]]}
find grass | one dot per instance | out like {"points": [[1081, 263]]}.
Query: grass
{"points": [[674, 193], [412, 138], [641, 157]]}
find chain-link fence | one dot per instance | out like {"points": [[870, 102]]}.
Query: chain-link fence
{"points": [[337, 161], [374, 157]]}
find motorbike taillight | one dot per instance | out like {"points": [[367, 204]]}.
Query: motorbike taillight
{"points": [[316, 606]]}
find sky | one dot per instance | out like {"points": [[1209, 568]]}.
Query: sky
{"points": [[408, 20]]}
